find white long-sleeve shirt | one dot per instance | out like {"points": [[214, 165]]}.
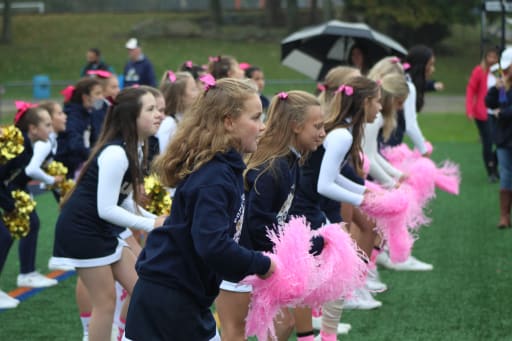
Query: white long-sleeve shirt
{"points": [[331, 183], [166, 130], [412, 129], [112, 166], [380, 169], [41, 150]]}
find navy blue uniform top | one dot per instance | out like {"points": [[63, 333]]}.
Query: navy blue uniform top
{"points": [[503, 132], [97, 118], [269, 200], [73, 145], [197, 246], [13, 176], [139, 72], [81, 209]]}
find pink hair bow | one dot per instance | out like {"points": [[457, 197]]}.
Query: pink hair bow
{"points": [[21, 109], [347, 89], [214, 59], [208, 81], [321, 87], [67, 92], [282, 95], [244, 66], [100, 73], [406, 66], [379, 82], [189, 64], [171, 76]]}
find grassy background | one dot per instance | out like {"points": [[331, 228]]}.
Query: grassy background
{"points": [[55, 45], [466, 297]]}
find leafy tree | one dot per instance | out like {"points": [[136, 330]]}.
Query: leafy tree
{"points": [[413, 21]]}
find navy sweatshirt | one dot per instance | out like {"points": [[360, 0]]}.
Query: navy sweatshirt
{"points": [[197, 246], [269, 199], [503, 133], [12, 175], [139, 72], [73, 145]]}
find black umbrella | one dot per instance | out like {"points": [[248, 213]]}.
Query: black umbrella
{"points": [[314, 50]]}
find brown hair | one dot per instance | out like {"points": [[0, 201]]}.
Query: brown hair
{"points": [[174, 93], [348, 111], [220, 66], [121, 123]]}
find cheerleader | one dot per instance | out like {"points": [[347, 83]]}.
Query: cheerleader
{"points": [[92, 216], [183, 262], [36, 124], [180, 91], [294, 129], [74, 144], [45, 150]]}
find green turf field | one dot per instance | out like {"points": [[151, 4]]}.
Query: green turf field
{"points": [[466, 297]]}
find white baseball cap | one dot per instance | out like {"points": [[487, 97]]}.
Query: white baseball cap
{"points": [[132, 43], [505, 60]]}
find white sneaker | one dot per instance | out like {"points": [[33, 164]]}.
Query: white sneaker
{"points": [[54, 264], [373, 282], [343, 328], [361, 300], [35, 280], [410, 264], [7, 302]]}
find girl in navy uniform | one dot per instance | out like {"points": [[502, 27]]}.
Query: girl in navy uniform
{"points": [[294, 129], [44, 151], [74, 144], [35, 124], [182, 265], [102, 205]]}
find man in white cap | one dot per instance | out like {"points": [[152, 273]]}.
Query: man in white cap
{"points": [[138, 70]]}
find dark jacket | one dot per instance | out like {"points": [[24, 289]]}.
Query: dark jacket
{"points": [[197, 246], [503, 132], [13, 176], [74, 143], [139, 72]]}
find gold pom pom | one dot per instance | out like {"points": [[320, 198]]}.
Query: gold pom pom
{"points": [[11, 143], [56, 168], [18, 221], [159, 201]]}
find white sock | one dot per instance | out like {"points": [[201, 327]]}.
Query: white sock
{"points": [[121, 295], [85, 318]]}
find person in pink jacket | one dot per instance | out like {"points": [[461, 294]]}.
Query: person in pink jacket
{"points": [[480, 81]]}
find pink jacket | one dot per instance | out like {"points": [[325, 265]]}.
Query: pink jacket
{"points": [[475, 94]]}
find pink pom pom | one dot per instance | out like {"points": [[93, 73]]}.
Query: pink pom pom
{"points": [[448, 178], [340, 268], [289, 283], [390, 209], [396, 155]]}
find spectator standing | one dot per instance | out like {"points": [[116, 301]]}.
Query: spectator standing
{"points": [[138, 70]]}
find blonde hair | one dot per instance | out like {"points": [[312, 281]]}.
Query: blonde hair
{"points": [[202, 134], [386, 66], [393, 87], [348, 111], [333, 79], [49, 106], [175, 92], [282, 117]]}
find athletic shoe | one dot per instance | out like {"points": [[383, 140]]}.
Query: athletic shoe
{"points": [[410, 264], [35, 280], [361, 300], [373, 282], [343, 328], [54, 264], [7, 302]]}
